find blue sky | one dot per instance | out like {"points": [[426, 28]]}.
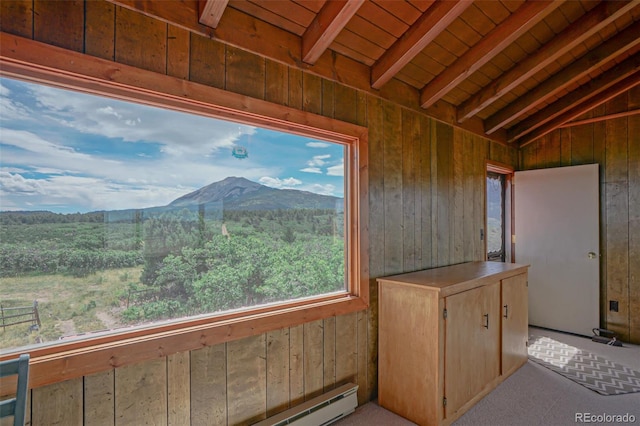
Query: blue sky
{"points": [[66, 152]]}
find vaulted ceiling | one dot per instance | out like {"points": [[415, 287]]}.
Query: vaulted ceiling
{"points": [[511, 70]]}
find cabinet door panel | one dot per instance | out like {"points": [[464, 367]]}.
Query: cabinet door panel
{"points": [[472, 344], [409, 352], [515, 322]]}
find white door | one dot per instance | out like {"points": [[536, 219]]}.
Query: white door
{"points": [[557, 233]]}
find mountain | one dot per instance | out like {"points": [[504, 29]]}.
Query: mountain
{"points": [[225, 190], [237, 193]]}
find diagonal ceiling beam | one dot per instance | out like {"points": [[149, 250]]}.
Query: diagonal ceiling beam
{"points": [[607, 51], [576, 33], [326, 26], [210, 12], [601, 118], [589, 90], [432, 22], [527, 15], [605, 96]]}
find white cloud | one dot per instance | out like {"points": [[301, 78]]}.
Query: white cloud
{"points": [[179, 132], [311, 170], [318, 160], [15, 183], [4, 90], [317, 188], [318, 144], [48, 157], [92, 193], [286, 183], [337, 170], [58, 156], [11, 111]]}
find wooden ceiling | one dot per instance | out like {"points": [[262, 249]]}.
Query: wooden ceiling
{"points": [[512, 70]]}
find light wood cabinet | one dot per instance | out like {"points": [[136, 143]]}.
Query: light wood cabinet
{"points": [[448, 336], [515, 323]]}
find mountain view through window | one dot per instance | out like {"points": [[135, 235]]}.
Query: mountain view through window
{"points": [[115, 214]]}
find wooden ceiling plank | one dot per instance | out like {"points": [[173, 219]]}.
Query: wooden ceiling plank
{"points": [[364, 28], [454, 42], [312, 5], [494, 10], [344, 49], [493, 43], [607, 51], [326, 26], [591, 103], [383, 19], [598, 85], [210, 12], [361, 46], [476, 19], [404, 11], [418, 36], [288, 9], [290, 22], [590, 23], [422, 5]]}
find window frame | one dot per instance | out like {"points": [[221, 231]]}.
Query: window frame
{"points": [[508, 209], [37, 62], [500, 255]]}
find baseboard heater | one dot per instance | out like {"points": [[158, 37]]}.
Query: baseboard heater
{"points": [[322, 410]]}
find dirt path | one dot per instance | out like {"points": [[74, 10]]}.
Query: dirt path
{"points": [[67, 328], [108, 320]]}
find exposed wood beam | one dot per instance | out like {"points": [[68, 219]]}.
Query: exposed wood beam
{"points": [[527, 15], [588, 63], [601, 118], [326, 26], [567, 103], [576, 33], [607, 95], [253, 35], [432, 22], [210, 11]]}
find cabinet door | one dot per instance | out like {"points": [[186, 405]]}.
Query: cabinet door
{"points": [[472, 344], [515, 323]]}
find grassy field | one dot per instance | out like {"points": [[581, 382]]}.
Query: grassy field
{"points": [[68, 306]]}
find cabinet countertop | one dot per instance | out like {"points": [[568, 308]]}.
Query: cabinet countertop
{"points": [[447, 280]]}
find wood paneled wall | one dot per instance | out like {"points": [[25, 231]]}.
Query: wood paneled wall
{"points": [[615, 146], [426, 209]]}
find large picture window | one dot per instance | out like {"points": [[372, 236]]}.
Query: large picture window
{"points": [[165, 215], [116, 214]]}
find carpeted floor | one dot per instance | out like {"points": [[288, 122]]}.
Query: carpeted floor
{"points": [[535, 395]]}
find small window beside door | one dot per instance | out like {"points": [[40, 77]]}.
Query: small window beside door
{"points": [[495, 216]]}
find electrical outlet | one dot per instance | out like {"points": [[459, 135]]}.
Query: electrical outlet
{"points": [[613, 305]]}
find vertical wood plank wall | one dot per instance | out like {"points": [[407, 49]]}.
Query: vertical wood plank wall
{"points": [[615, 146], [426, 209]]}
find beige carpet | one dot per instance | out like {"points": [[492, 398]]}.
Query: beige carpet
{"points": [[535, 395]]}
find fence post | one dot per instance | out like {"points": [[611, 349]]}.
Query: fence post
{"points": [[35, 313]]}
